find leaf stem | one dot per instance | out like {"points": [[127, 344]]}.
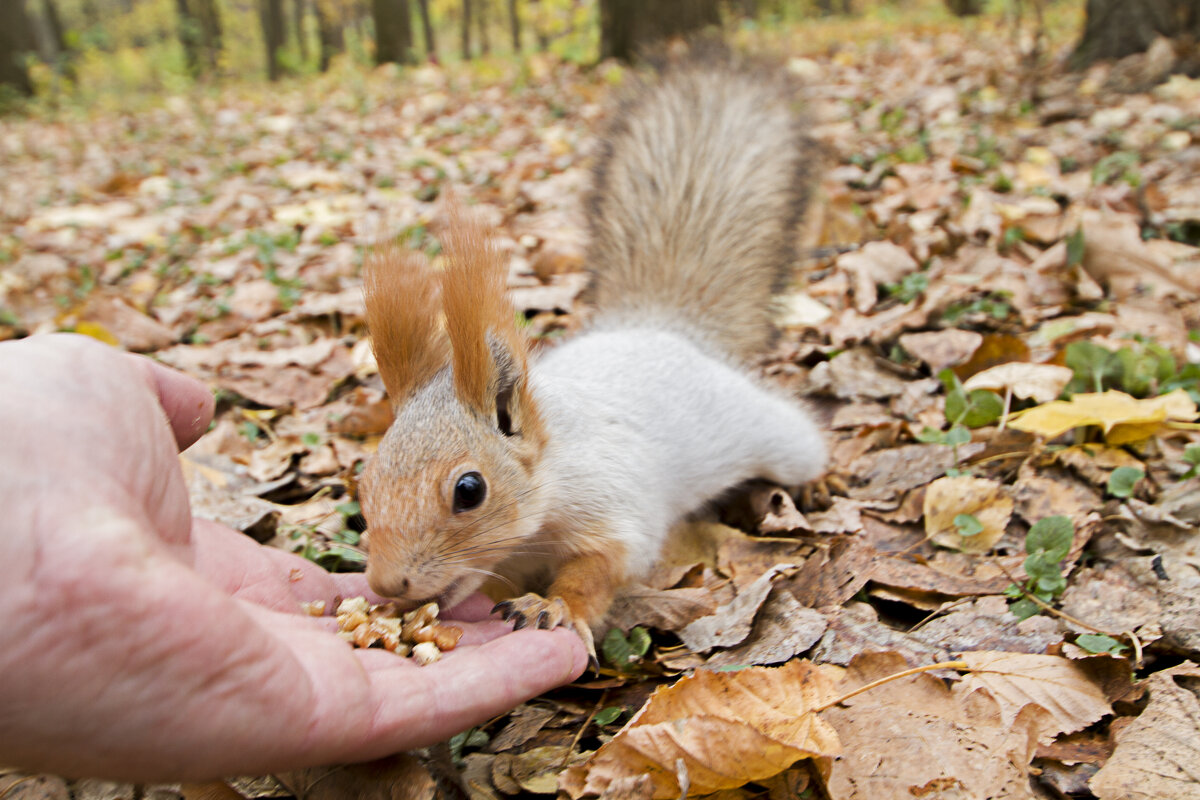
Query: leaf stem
{"points": [[957, 665]]}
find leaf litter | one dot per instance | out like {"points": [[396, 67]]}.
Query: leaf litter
{"points": [[995, 313]]}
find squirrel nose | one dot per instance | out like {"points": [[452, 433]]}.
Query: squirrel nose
{"points": [[387, 586]]}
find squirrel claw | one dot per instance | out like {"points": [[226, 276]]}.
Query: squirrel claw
{"points": [[545, 613]]}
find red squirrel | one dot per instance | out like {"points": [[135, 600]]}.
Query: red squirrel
{"points": [[562, 474]]}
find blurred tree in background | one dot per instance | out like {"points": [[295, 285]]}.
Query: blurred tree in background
{"points": [[51, 47]]}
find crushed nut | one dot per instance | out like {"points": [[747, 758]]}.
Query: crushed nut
{"points": [[314, 608], [426, 653], [415, 632]]}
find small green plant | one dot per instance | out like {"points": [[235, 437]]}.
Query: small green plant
{"points": [[1123, 480], [1120, 165], [909, 288], [624, 651], [968, 525], [1046, 545], [607, 716], [1142, 369], [1100, 643], [472, 738], [973, 409], [1191, 455], [994, 305]]}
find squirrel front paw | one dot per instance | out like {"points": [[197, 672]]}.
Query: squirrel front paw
{"points": [[544, 613]]}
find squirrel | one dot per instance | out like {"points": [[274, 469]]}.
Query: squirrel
{"points": [[563, 473]]}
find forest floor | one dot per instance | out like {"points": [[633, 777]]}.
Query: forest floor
{"points": [[996, 314]]}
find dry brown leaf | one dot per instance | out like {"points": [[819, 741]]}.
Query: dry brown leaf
{"points": [[947, 498], [1158, 754], [728, 728], [1058, 685], [782, 629], [730, 624], [916, 737], [942, 349]]}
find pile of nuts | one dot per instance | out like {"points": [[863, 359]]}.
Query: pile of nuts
{"points": [[415, 633]]}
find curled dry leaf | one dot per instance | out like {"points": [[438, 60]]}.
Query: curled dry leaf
{"points": [[948, 498], [728, 728], [1123, 418], [1039, 382]]}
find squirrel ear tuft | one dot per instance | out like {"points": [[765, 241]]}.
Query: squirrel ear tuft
{"points": [[403, 317], [488, 351]]}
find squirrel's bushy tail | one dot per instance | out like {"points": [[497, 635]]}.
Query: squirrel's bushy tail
{"points": [[701, 181]]}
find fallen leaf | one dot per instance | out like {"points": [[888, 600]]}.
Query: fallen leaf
{"points": [[1038, 382], [1058, 685], [1124, 419], [1158, 754], [728, 728], [948, 499]]}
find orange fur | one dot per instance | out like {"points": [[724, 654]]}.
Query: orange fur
{"points": [[402, 316], [588, 582], [477, 307]]}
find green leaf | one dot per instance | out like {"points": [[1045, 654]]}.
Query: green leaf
{"points": [[1100, 643], [1095, 367], [1075, 248], [617, 649], [311, 439], [639, 641], [348, 509], [1024, 608], [606, 716], [1191, 454], [472, 737], [930, 435], [1122, 481], [968, 525], [1052, 536], [957, 435]]}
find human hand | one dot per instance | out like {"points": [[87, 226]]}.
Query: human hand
{"points": [[141, 644]]}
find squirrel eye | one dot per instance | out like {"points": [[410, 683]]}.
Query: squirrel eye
{"points": [[469, 492]]}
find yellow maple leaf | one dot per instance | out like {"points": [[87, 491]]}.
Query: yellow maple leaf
{"points": [[1123, 418]]}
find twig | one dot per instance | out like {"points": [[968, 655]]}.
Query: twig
{"points": [[583, 727], [1130, 635], [956, 665]]}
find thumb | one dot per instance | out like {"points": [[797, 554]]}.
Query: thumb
{"points": [[187, 402]]}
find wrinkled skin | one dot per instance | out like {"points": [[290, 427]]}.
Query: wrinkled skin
{"points": [[139, 643]]}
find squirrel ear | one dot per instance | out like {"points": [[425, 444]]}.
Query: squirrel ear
{"points": [[403, 308], [488, 351]]}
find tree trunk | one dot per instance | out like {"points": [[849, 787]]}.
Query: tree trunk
{"points": [[271, 14], [298, 9], [63, 53], [329, 32], [466, 30], [629, 26], [1118, 28], [16, 44], [189, 37], [481, 20], [393, 31], [965, 8], [514, 23], [427, 31]]}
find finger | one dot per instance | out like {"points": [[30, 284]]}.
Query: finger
{"points": [[475, 608], [187, 402], [476, 684]]}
